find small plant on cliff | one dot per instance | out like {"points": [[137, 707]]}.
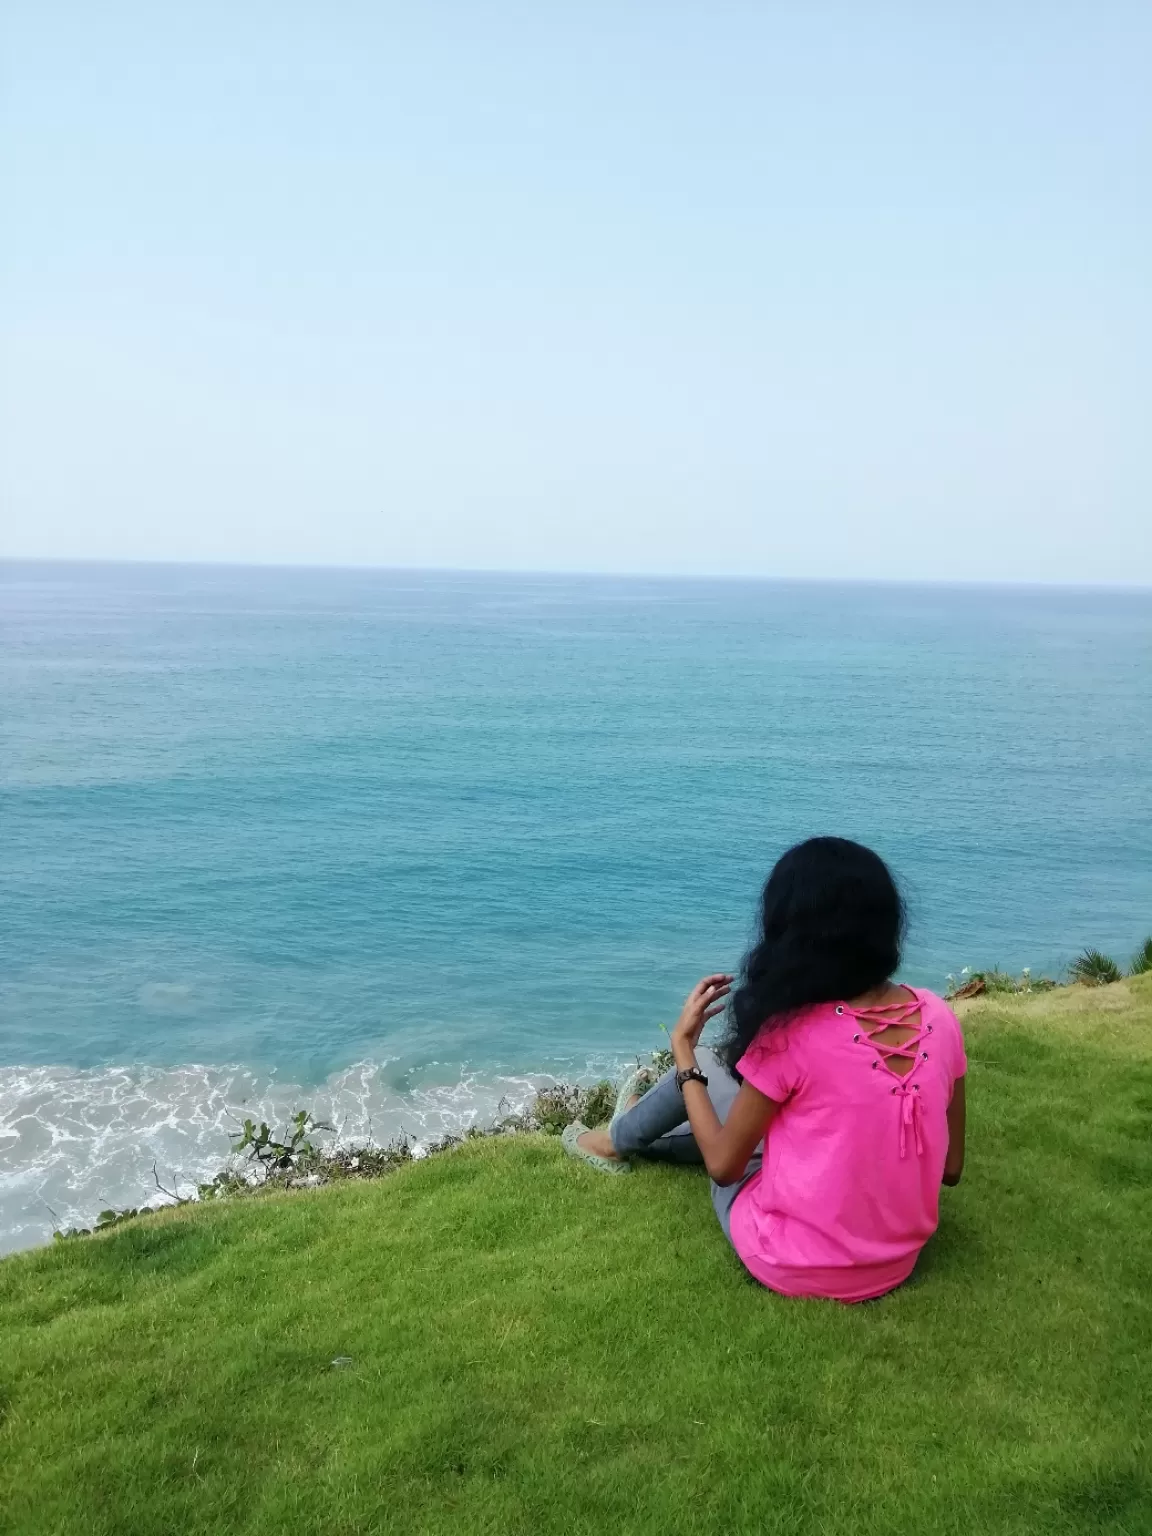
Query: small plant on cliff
{"points": [[1093, 969], [559, 1105], [1142, 959], [274, 1155], [103, 1223], [1000, 981]]}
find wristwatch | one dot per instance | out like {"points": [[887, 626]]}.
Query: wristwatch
{"points": [[690, 1075]]}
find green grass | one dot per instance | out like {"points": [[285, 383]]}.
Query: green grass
{"points": [[536, 1351]]}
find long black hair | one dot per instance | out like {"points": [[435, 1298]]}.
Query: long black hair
{"points": [[831, 925]]}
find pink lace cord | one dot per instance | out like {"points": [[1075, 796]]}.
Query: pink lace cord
{"points": [[875, 1021]]}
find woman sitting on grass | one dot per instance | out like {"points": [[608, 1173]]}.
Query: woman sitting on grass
{"points": [[833, 1110]]}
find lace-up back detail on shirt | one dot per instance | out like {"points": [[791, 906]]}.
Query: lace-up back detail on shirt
{"points": [[896, 1033]]}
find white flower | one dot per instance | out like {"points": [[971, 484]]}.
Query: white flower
{"points": [[965, 971]]}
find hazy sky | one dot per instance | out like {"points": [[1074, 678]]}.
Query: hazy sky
{"points": [[792, 289]]}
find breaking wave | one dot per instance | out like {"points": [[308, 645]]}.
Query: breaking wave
{"points": [[74, 1142]]}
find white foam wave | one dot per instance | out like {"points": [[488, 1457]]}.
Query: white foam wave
{"points": [[74, 1142]]}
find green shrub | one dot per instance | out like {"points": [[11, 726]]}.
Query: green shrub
{"points": [[1142, 959], [997, 980], [292, 1151], [1093, 969], [103, 1223], [557, 1106], [976, 983]]}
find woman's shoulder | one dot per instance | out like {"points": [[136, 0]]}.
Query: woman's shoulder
{"points": [[937, 1010], [790, 1033], [781, 1036]]}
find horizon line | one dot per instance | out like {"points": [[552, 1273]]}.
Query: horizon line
{"points": [[335, 566]]}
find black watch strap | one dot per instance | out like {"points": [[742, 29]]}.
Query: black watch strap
{"points": [[690, 1075]]}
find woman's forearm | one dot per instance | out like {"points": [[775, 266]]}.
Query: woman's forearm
{"points": [[707, 1131], [725, 1148]]}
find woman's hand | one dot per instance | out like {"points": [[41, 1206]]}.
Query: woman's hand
{"points": [[704, 1002]]}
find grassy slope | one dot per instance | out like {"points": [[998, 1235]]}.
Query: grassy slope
{"points": [[537, 1350]]}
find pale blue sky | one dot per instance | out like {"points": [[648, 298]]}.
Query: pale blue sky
{"points": [[796, 289]]}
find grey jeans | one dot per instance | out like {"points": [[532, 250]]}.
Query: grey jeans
{"points": [[656, 1128]]}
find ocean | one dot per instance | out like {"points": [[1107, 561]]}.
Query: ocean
{"points": [[399, 846]]}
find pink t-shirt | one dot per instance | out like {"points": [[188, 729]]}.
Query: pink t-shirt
{"points": [[850, 1186]]}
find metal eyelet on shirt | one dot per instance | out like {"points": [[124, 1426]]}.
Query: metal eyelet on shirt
{"points": [[855, 1038], [875, 1064], [839, 1007], [924, 1056], [929, 1029]]}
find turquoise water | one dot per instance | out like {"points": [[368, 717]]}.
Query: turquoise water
{"points": [[397, 843]]}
